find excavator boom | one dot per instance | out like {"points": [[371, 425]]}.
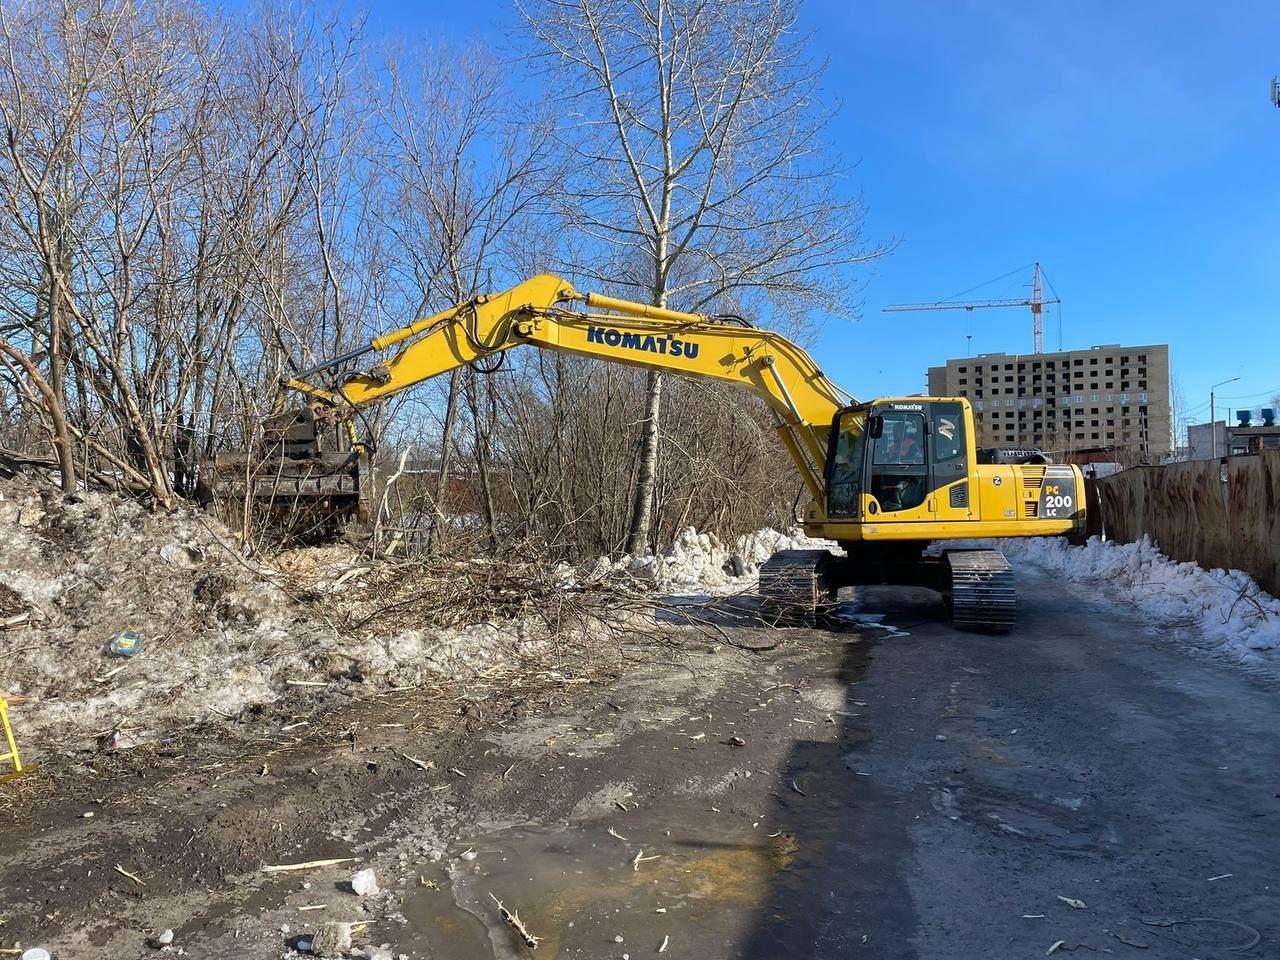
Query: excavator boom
{"points": [[546, 311]]}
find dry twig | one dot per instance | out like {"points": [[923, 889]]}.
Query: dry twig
{"points": [[513, 919]]}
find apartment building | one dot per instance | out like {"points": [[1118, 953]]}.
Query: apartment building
{"points": [[1108, 397]]}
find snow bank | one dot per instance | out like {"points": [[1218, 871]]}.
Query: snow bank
{"points": [[1226, 607], [219, 637]]}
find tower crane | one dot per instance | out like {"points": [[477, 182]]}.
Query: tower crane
{"points": [[1036, 302]]}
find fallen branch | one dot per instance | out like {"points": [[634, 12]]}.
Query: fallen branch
{"points": [[514, 920], [641, 858], [309, 864], [121, 870]]}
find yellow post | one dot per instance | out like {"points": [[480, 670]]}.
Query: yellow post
{"points": [[12, 755]]}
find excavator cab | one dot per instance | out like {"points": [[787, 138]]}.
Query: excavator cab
{"points": [[909, 469], [901, 461], [905, 473]]}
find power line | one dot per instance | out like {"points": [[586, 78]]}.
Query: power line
{"points": [[1274, 391]]}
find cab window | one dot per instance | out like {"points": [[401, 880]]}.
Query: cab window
{"points": [[898, 469], [948, 432], [844, 485]]}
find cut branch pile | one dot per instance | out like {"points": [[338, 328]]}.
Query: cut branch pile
{"points": [[442, 593]]}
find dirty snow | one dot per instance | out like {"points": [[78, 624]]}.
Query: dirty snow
{"points": [[1225, 607], [703, 562], [223, 633]]}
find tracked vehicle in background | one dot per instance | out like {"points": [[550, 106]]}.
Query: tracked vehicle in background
{"points": [[886, 478]]}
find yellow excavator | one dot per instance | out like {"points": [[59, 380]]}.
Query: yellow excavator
{"points": [[886, 478]]}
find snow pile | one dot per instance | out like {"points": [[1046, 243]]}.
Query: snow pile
{"points": [[221, 633], [702, 561], [1225, 606]]}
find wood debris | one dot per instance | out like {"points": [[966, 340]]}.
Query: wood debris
{"points": [[123, 872], [513, 919], [305, 865], [1074, 904], [641, 858], [423, 764]]}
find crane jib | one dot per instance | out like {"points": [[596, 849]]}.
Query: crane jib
{"points": [[646, 343]]}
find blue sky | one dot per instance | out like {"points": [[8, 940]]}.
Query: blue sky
{"points": [[1131, 148]]}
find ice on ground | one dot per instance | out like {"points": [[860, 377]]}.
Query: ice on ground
{"points": [[875, 620], [1226, 607]]}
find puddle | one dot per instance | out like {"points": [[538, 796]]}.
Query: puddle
{"points": [[579, 888], [871, 620]]}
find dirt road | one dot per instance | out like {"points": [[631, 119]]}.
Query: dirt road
{"points": [[849, 793]]}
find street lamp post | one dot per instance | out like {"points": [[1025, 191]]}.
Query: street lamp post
{"points": [[1213, 420]]}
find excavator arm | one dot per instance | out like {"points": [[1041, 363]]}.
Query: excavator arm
{"points": [[546, 311], [905, 471]]}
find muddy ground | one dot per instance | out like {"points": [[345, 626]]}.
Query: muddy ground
{"points": [[846, 793]]}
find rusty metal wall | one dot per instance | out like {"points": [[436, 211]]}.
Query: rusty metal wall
{"points": [[1187, 510]]}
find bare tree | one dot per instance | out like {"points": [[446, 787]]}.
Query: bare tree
{"points": [[464, 163], [702, 176]]}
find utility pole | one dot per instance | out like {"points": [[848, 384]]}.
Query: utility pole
{"points": [[1213, 420]]}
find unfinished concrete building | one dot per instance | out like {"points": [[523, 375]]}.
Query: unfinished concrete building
{"points": [[1109, 397]]}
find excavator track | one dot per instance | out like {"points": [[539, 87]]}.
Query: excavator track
{"points": [[793, 583], [982, 594]]}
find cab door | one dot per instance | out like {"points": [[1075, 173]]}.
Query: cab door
{"points": [[949, 468], [898, 469]]}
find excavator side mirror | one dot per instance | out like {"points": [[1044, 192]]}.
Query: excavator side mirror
{"points": [[876, 427]]}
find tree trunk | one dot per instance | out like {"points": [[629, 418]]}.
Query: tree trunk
{"points": [[482, 432], [57, 420], [446, 451], [642, 506]]}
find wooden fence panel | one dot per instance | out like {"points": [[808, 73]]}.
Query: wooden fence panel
{"points": [[1254, 495], [1182, 507], [1211, 516]]}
